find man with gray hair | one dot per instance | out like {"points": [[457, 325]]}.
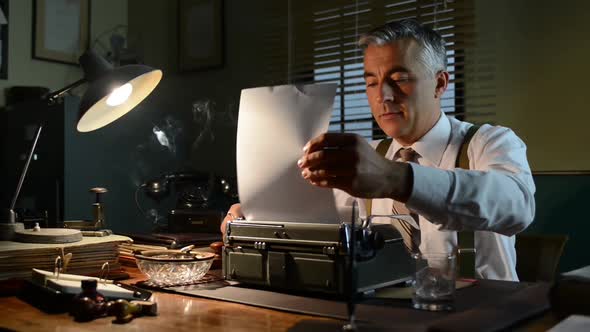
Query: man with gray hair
{"points": [[405, 75]]}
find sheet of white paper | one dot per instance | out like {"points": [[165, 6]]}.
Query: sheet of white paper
{"points": [[273, 126], [573, 323]]}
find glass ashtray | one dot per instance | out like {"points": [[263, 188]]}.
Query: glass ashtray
{"points": [[174, 267]]}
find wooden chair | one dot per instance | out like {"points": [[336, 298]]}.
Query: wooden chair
{"points": [[537, 256]]}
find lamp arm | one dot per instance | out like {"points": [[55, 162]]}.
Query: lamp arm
{"points": [[53, 96], [25, 169], [50, 98]]}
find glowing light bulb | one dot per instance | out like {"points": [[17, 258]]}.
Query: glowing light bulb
{"points": [[120, 95]]}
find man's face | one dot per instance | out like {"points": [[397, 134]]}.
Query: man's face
{"points": [[402, 94]]}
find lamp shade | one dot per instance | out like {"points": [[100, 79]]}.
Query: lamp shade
{"points": [[112, 92]]}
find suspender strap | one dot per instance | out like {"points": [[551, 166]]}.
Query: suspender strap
{"points": [[466, 239], [383, 146], [381, 149], [462, 158]]}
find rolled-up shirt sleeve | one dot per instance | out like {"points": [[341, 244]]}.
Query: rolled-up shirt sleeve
{"points": [[496, 194]]}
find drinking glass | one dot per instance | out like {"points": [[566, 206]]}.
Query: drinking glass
{"points": [[434, 281]]}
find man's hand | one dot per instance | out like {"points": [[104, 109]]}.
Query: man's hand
{"points": [[235, 211], [349, 163]]}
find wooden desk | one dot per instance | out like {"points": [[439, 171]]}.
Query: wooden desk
{"points": [[176, 313]]}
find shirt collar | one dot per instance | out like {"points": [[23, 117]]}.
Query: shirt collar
{"points": [[432, 145]]}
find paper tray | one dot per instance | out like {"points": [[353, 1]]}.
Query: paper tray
{"points": [[52, 301]]}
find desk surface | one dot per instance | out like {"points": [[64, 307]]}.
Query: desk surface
{"points": [[176, 313]]}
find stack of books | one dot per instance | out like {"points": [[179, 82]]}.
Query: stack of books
{"points": [[88, 256]]}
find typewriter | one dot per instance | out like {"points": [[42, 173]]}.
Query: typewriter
{"points": [[312, 257], [294, 251]]}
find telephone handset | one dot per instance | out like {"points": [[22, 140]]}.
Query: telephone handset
{"points": [[159, 188], [201, 199]]}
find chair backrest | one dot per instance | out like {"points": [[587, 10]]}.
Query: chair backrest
{"points": [[537, 256]]}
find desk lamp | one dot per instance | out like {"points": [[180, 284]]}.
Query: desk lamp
{"points": [[111, 93]]}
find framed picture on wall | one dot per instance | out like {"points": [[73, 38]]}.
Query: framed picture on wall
{"points": [[200, 34], [3, 39], [60, 29]]}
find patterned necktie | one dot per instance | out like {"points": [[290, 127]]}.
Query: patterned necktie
{"points": [[410, 235]]}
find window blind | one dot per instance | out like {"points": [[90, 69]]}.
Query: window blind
{"points": [[316, 42]]}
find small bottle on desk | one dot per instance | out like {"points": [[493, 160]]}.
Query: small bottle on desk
{"points": [[89, 304]]}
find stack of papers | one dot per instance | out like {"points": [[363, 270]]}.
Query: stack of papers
{"points": [[88, 255], [71, 284]]}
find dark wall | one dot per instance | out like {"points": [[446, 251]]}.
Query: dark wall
{"points": [[562, 208], [188, 123], [152, 140], [110, 157]]}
